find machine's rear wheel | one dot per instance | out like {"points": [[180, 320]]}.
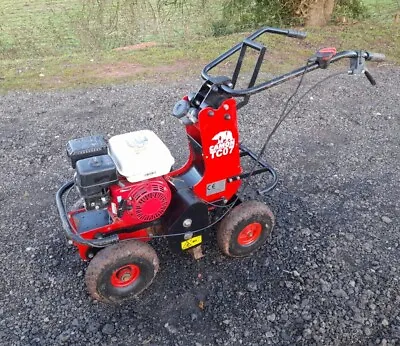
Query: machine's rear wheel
{"points": [[245, 229], [121, 271]]}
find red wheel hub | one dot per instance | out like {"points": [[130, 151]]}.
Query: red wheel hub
{"points": [[125, 275], [250, 234]]}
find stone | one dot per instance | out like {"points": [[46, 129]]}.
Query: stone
{"points": [[386, 219], [252, 287], [108, 329]]}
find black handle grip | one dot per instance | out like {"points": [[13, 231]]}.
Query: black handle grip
{"points": [[370, 78], [297, 34], [377, 57]]}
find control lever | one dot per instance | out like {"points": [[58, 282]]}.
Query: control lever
{"points": [[357, 67], [369, 77]]}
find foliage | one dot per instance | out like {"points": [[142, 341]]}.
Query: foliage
{"points": [[355, 9], [247, 14], [244, 14]]}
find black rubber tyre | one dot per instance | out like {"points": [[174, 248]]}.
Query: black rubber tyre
{"points": [[245, 229], [121, 271]]}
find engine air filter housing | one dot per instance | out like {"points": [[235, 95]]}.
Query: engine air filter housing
{"points": [[140, 155], [85, 147]]}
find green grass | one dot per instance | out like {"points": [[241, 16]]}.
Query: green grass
{"points": [[382, 9], [44, 28], [37, 28], [47, 44]]}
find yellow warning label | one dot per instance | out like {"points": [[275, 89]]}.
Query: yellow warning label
{"points": [[191, 242]]}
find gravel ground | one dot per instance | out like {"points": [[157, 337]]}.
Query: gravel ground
{"points": [[329, 275]]}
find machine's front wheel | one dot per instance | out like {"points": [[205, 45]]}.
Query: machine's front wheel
{"points": [[245, 229], [121, 271]]}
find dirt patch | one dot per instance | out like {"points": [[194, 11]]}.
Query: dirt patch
{"points": [[117, 70], [139, 46], [124, 69]]}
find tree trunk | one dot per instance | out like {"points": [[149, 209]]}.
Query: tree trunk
{"points": [[320, 12]]}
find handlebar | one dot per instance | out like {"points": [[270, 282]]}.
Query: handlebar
{"points": [[225, 86], [250, 41], [376, 57], [229, 88], [297, 34], [298, 72]]}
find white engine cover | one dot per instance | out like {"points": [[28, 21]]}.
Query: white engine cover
{"points": [[140, 155]]}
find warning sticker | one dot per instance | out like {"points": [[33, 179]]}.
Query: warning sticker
{"points": [[191, 242]]}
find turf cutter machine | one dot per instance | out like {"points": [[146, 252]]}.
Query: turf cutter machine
{"points": [[129, 194]]}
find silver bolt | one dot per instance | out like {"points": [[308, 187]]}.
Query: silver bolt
{"points": [[187, 223], [226, 107], [188, 235]]}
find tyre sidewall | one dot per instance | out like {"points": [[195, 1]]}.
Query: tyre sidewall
{"points": [[237, 250], [116, 294]]}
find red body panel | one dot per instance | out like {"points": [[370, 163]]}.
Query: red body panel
{"points": [[220, 142], [115, 225], [217, 132]]}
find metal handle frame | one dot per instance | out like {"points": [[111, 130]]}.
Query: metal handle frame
{"points": [[71, 235], [252, 89]]}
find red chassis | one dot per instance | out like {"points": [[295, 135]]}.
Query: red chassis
{"points": [[215, 156]]}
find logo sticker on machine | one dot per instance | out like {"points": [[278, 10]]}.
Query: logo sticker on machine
{"points": [[224, 146], [215, 187], [187, 244]]}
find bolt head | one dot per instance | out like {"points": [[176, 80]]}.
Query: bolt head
{"points": [[188, 235], [187, 223]]}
